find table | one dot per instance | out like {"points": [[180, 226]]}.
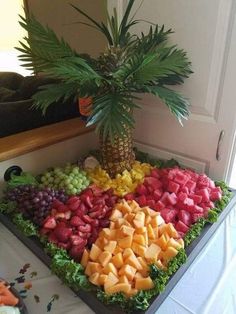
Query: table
{"points": [[208, 287]]}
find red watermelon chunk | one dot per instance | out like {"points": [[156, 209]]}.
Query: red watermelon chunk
{"points": [[151, 204], [196, 217], [169, 215], [196, 198], [157, 194], [173, 187], [172, 198], [215, 196], [196, 209], [141, 200], [205, 194], [181, 227], [191, 185], [182, 196], [164, 198], [185, 190], [188, 202], [129, 197], [181, 178], [141, 189], [155, 173], [185, 217], [159, 206], [203, 181], [211, 184], [153, 182]]}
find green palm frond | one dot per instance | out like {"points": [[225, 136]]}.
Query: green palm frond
{"points": [[177, 104], [112, 113], [52, 93]]}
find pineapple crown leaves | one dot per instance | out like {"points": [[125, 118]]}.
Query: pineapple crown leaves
{"points": [[132, 64]]}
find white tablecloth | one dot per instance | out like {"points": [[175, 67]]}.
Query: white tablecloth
{"points": [[208, 286]]}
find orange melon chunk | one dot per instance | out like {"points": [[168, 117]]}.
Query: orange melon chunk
{"points": [[105, 258], [85, 258], [144, 283], [120, 287], [117, 260], [95, 252], [110, 247]]}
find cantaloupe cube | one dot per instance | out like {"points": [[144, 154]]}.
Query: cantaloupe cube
{"points": [[155, 221], [106, 233], [117, 250], [125, 242], [125, 207], [129, 217], [138, 249], [141, 230], [162, 242], [152, 253], [94, 267], [160, 265], [115, 215], [110, 281], [117, 260], [128, 271], [110, 247], [155, 230], [110, 268], [126, 231], [181, 242], [150, 231], [88, 270], [119, 222], [170, 253], [133, 261], [139, 238], [138, 275], [102, 279], [150, 212], [148, 220], [162, 229], [134, 206], [127, 252], [95, 252], [104, 241], [112, 225], [85, 258], [94, 279], [104, 258], [139, 220], [119, 287], [123, 279], [144, 283], [145, 268], [175, 244], [172, 232], [99, 242]]}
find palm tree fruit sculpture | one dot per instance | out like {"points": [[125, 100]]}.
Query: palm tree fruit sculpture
{"points": [[132, 64]]}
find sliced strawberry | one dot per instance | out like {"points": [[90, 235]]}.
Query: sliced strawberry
{"points": [[63, 234], [76, 221], [50, 223], [85, 229]]}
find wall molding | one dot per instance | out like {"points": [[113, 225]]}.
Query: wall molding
{"points": [[199, 165]]}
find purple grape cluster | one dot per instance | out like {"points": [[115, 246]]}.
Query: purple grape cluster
{"points": [[35, 203]]}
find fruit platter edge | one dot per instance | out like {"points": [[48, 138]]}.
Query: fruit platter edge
{"points": [[90, 299]]}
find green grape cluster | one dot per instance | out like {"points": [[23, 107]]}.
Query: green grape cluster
{"points": [[71, 179]]}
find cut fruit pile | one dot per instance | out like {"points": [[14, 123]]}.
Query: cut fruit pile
{"points": [[137, 237], [117, 239], [181, 196]]}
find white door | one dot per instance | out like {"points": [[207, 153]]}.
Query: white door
{"points": [[207, 31]]}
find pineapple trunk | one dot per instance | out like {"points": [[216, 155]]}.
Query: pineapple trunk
{"points": [[119, 155]]}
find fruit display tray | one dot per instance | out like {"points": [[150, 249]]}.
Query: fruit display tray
{"points": [[90, 299]]}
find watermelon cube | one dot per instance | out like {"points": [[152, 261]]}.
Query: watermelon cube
{"points": [[215, 196], [203, 181], [196, 217], [196, 198], [153, 182], [141, 200], [151, 204], [155, 173], [173, 187], [205, 194], [157, 194], [211, 184], [169, 215], [181, 178], [188, 202], [172, 198], [181, 227], [191, 185], [129, 197], [164, 198], [182, 196], [185, 217], [159, 206], [141, 189], [185, 189]]}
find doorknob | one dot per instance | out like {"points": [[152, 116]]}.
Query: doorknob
{"points": [[218, 149]]}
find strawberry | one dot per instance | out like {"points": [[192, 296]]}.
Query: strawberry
{"points": [[62, 234], [52, 238], [76, 221], [77, 240], [76, 252], [85, 229], [49, 223]]}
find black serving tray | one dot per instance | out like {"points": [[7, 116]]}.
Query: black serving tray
{"points": [[90, 298]]}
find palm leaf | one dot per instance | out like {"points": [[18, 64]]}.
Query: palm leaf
{"points": [[52, 93], [177, 104]]}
